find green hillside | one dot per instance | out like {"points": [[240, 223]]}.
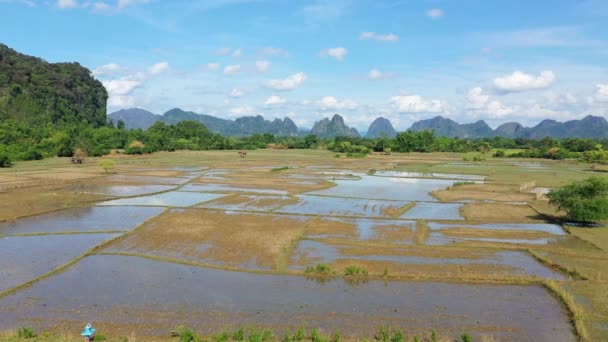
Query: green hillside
{"points": [[36, 92]]}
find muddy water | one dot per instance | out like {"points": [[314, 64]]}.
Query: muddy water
{"points": [[519, 263], [169, 199], [229, 189], [367, 229], [23, 258], [408, 174], [540, 227], [120, 190], [436, 211], [81, 220], [387, 188], [322, 205], [154, 297], [147, 179]]}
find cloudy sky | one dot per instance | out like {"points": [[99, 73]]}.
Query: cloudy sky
{"points": [[500, 61]]}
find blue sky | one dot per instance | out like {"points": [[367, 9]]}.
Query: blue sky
{"points": [[405, 60]]}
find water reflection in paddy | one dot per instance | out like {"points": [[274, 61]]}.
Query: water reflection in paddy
{"points": [[157, 296], [403, 189], [322, 205], [169, 199], [24, 258], [81, 220], [409, 174], [437, 211], [120, 190], [229, 188]]}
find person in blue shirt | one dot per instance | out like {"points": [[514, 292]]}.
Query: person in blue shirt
{"points": [[88, 332]]}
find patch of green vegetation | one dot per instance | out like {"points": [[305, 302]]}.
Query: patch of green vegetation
{"points": [[585, 201], [318, 269], [282, 168], [462, 183], [26, 333], [354, 271]]}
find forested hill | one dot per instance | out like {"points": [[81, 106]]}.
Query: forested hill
{"points": [[37, 92]]}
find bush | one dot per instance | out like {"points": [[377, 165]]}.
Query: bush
{"points": [[26, 333], [186, 334], [5, 161], [466, 338], [499, 154], [31, 155], [354, 271], [319, 269], [107, 165], [585, 201]]}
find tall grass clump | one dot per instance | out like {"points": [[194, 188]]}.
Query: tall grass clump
{"points": [[466, 338], [282, 168], [185, 334], [26, 333], [318, 269], [354, 271]]}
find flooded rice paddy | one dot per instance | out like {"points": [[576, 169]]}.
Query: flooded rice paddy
{"points": [[210, 248], [208, 299], [88, 219]]}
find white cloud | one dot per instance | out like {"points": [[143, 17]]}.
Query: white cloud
{"points": [[243, 110], [376, 74], [212, 66], [520, 81], [101, 7], [237, 53], [272, 51], [236, 93], [601, 92], [223, 51], [67, 3], [263, 66], [405, 103], [124, 3], [379, 37], [338, 53], [480, 104], [107, 69], [274, 100], [158, 68], [232, 69], [290, 83], [476, 98], [331, 103], [435, 13], [122, 86]]}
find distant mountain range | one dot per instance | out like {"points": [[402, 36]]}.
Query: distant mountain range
{"points": [[135, 118], [588, 127]]}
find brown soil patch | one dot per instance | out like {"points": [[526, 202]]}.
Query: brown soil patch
{"points": [[232, 240], [491, 192], [498, 212], [270, 181], [495, 233], [157, 173], [334, 227], [36, 200], [394, 233]]}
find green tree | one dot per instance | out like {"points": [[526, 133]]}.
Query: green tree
{"points": [[585, 201]]}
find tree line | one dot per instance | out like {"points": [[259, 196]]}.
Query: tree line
{"points": [[23, 141]]}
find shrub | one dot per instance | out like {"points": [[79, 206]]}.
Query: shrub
{"points": [[462, 183], [107, 165], [318, 268], [354, 271], [26, 333], [466, 338], [499, 154], [31, 155], [585, 201], [239, 335], [5, 161], [100, 337], [186, 334]]}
